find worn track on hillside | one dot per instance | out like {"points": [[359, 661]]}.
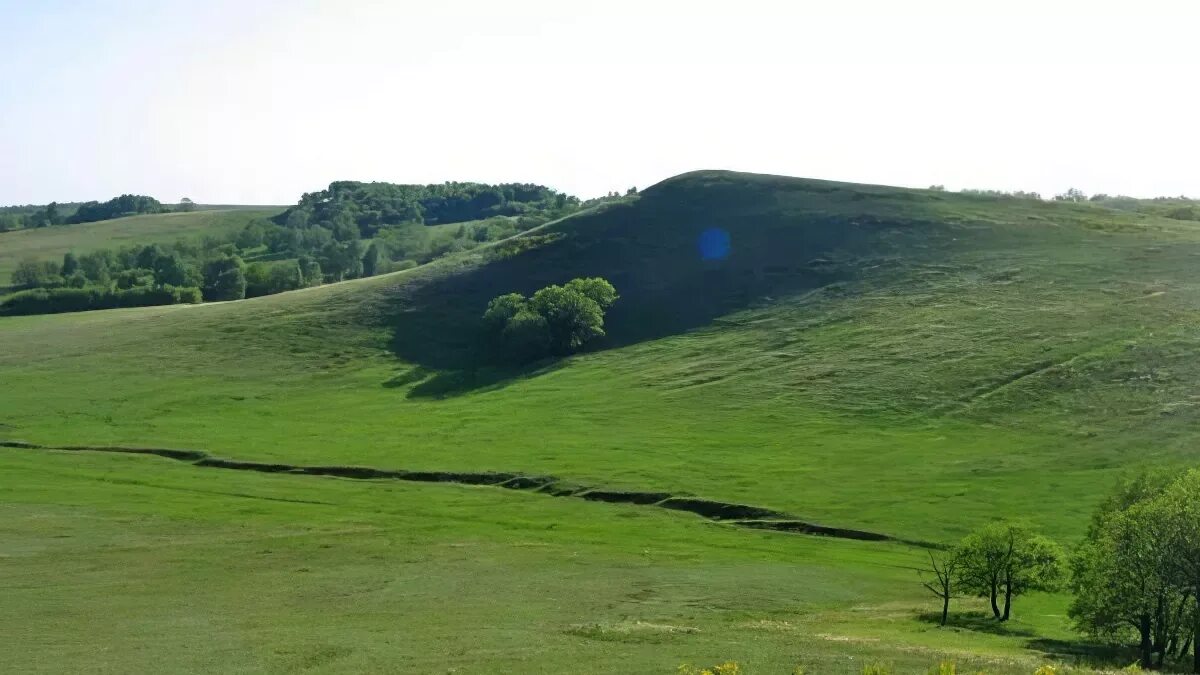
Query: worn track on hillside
{"points": [[741, 515]]}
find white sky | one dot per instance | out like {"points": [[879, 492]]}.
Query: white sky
{"points": [[257, 101]]}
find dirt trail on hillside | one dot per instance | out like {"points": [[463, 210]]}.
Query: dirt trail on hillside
{"points": [[741, 515]]}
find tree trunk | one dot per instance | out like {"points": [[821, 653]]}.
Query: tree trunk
{"points": [[995, 607], [1007, 600], [1196, 632], [1146, 660], [945, 608]]}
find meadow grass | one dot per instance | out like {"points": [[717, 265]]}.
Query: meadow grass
{"points": [[900, 361]]}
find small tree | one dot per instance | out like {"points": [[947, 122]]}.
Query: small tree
{"points": [[224, 279], [70, 264], [186, 204], [942, 583], [1009, 559], [33, 273], [373, 260]]}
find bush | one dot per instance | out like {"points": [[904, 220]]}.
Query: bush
{"points": [[556, 320], [32, 273], [59, 300]]}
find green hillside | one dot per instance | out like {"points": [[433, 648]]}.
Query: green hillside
{"points": [[50, 243], [904, 362]]}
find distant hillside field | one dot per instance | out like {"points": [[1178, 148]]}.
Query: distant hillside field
{"points": [[50, 243], [903, 362]]}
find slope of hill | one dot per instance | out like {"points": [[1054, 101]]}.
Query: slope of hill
{"points": [[901, 361], [51, 243]]}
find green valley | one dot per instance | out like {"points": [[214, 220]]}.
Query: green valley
{"points": [[914, 363]]}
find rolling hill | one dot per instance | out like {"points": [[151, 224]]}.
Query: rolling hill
{"points": [[903, 362]]}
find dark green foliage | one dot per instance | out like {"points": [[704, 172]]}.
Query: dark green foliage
{"points": [[556, 320], [373, 206], [131, 278], [36, 274], [70, 264], [1003, 560], [58, 300], [1132, 576], [268, 279], [125, 205], [224, 279], [310, 271], [170, 269], [373, 260]]}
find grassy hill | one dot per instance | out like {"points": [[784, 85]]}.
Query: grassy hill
{"points": [[906, 362], [50, 243]]}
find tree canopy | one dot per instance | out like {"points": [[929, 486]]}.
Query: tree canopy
{"points": [[557, 320]]}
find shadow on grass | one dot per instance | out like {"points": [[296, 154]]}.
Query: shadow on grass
{"points": [[979, 622], [1080, 653], [430, 384], [1088, 654], [648, 250]]}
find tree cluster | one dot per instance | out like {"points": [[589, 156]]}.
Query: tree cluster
{"points": [[117, 207], [54, 213], [1136, 577], [556, 320], [999, 562], [322, 239], [369, 207]]}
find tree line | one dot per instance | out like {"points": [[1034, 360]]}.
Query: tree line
{"points": [[348, 231], [54, 213], [1135, 577]]}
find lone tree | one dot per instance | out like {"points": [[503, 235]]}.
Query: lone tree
{"points": [[942, 584], [556, 320], [1007, 559]]}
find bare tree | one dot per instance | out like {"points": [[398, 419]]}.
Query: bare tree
{"points": [[942, 583]]}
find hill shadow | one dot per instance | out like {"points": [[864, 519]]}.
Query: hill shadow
{"points": [[651, 251]]}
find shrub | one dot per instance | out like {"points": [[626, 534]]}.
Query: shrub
{"points": [[556, 320], [59, 300], [31, 273]]}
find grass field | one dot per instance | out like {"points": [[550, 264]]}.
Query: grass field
{"points": [[51, 243], [906, 362]]}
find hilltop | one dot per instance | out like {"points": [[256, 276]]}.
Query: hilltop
{"points": [[906, 362]]}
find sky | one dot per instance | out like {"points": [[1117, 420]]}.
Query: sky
{"points": [[259, 101]]}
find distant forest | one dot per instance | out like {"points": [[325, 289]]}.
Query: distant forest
{"points": [[346, 231], [21, 217]]}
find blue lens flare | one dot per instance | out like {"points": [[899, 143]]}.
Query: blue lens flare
{"points": [[714, 244]]}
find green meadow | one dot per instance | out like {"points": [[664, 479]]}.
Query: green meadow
{"points": [[906, 362]]}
